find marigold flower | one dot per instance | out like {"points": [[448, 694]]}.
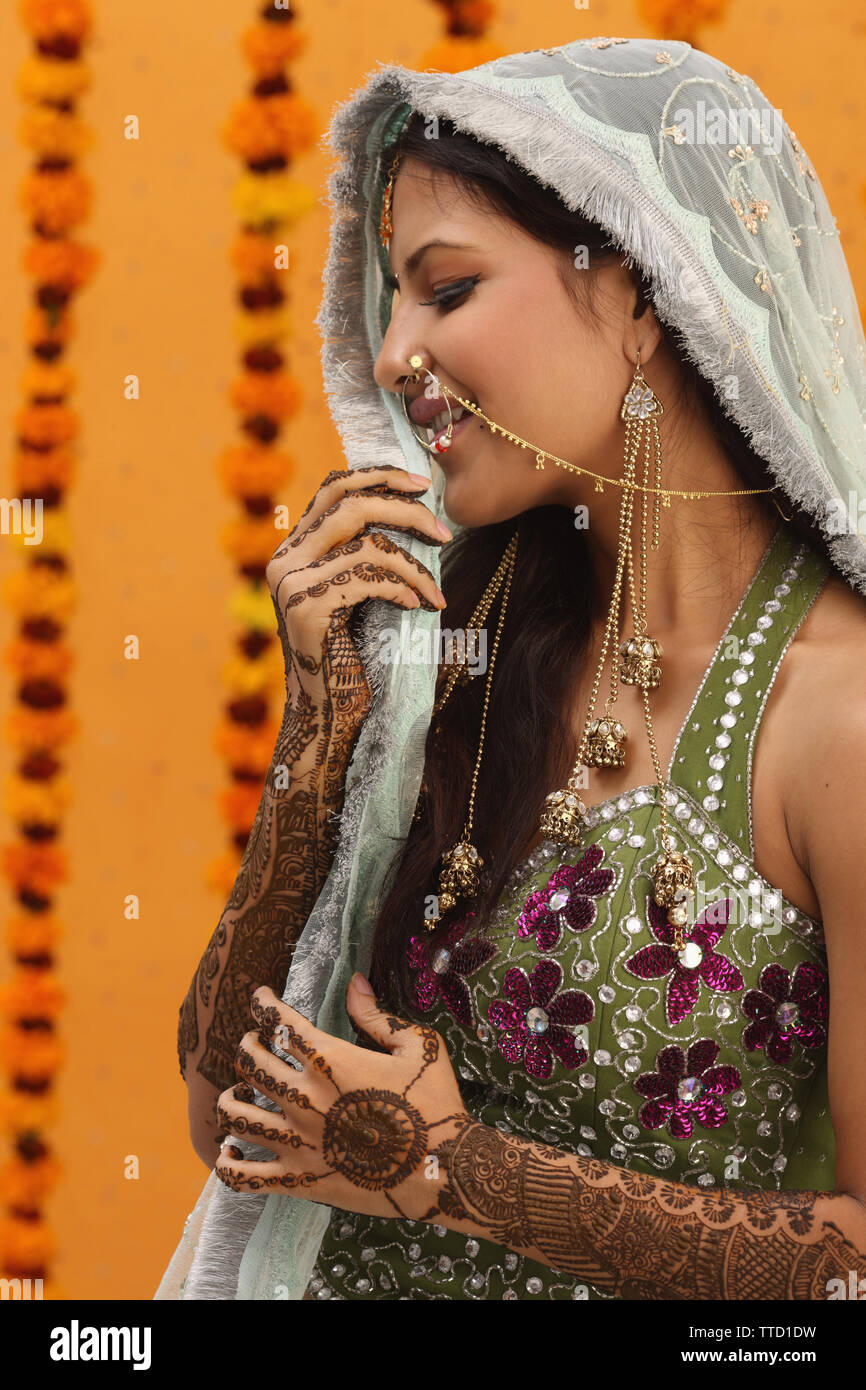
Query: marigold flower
{"points": [[269, 47], [44, 79], [47, 424], [33, 472], [33, 934], [21, 1111], [35, 730], [261, 128], [57, 198], [45, 19], [35, 660], [28, 1184], [28, 801], [680, 19], [244, 747], [254, 328], [32, 993], [36, 867], [65, 263], [272, 197], [48, 379], [54, 134], [251, 541], [276, 394], [27, 1244], [254, 471], [253, 607], [31, 1054], [38, 592], [245, 677]]}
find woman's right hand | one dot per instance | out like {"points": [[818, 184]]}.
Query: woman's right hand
{"points": [[331, 562]]}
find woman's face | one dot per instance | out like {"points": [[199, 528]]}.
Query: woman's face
{"points": [[515, 342]]}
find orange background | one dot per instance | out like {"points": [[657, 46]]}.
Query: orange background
{"points": [[147, 509]]}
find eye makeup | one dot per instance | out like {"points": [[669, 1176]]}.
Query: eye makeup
{"points": [[446, 296]]}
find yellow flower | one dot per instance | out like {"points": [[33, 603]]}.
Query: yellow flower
{"points": [[263, 326], [38, 592], [242, 676], [41, 79], [253, 607], [274, 197], [29, 800], [56, 538]]}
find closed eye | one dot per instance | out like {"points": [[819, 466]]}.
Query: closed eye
{"points": [[447, 296]]}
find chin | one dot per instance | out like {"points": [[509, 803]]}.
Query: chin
{"points": [[465, 502]]}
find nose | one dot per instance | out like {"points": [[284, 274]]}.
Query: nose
{"points": [[392, 368]]}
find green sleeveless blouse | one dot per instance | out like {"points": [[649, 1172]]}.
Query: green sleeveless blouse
{"points": [[573, 1022]]}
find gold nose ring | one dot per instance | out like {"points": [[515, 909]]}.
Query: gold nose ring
{"points": [[442, 443]]}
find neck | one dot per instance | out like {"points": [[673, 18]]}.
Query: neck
{"points": [[709, 548]]}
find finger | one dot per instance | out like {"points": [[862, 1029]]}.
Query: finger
{"points": [[243, 1175], [340, 481], [252, 1122], [365, 546], [258, 1067], [346, 586], [349, 515], [293, 1033], [398, 1035]]}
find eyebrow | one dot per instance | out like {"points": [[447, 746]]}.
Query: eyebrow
{"points": [[413, 261]]}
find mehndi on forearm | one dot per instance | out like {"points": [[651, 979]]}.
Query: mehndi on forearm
{"points": [[638, 1237], [286, 861]]}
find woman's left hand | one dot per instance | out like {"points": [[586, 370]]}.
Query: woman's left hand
{"points": [[356, 1129]]}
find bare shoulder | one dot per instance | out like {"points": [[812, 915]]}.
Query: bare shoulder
{"points": [[828, 656], [823, 703]]}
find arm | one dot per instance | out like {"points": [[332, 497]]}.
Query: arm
{"points": [[329, 564], [286, 861], [640, 1237]]}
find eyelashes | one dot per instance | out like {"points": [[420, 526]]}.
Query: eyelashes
{"points": [[448, 296]]}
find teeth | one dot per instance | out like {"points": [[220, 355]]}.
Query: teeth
{"points": [[440, 421]]}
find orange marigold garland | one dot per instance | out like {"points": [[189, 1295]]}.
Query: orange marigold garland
{"points": [[56, 197], [267, 130], [681, 19], [464, 45]]}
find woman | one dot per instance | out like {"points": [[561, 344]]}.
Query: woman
{"points": [[604, 1072]]}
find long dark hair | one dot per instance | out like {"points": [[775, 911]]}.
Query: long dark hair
{"points": [[529, 746]]}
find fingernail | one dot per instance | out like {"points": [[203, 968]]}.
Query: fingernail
{"points": [[361, 984], [443, 530], [440, 596], [419, 479]]}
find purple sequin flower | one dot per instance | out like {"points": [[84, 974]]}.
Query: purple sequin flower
{"points": [[568, 894], [697, 962], [685, 1089], [536, 1022], [784, 1009], [443, 966]]}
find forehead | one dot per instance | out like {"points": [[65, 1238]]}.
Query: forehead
{"points": [[429, 199]]}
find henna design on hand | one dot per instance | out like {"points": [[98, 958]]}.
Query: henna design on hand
{"points": [[638, 1237], [373, 1137]]}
